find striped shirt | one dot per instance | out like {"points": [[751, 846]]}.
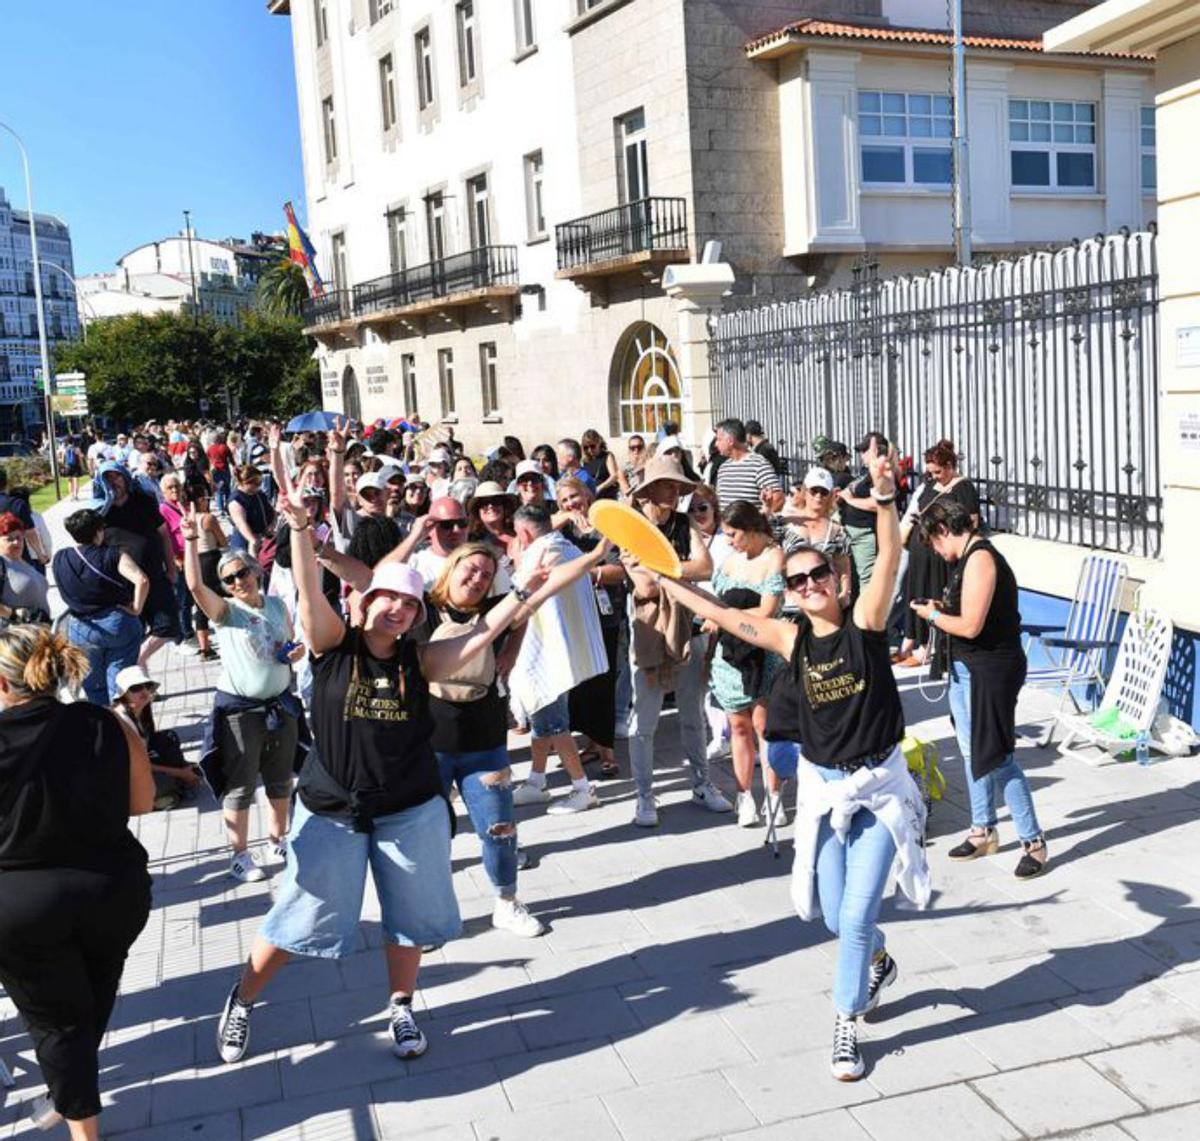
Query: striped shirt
{"points": [[745, 479]]}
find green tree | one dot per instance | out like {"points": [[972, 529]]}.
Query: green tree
{"points": [[142, 367], [282, 290]]}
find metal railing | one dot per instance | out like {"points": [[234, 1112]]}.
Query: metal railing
{"points": [[329, 309], [1043, 371], [635, 227], [479, 268]]}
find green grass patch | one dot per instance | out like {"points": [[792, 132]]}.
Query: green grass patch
{"points": [[44, 498]]}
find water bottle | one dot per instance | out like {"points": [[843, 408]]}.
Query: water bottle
{"points": [[1141, 749]]}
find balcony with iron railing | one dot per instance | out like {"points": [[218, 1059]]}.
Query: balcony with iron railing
{"points": [[638, 237], [485, 277]]}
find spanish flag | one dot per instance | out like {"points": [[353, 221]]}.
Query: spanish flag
{"points": [[300, 250]]}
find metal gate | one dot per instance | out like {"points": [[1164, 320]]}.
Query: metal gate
{"points": [[1042, 369]]}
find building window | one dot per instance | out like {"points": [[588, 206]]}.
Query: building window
{"points": [[377, 9], [321, 19], [487, 378], [647, 380], [526, 32], [408, 381], [464, 16], [1149, 155], [1053, 144], [905, 138], [387, 92], [478, 212], [634, 174], [535, 211], [397, 235], [337, 258], [424, 48], [330, 130], [446, 381], [435, 225]]}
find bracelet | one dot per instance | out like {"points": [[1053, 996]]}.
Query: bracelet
{"points": [[933, 617], [521, 594], [306, 527], [191, 538], [884, 500]]}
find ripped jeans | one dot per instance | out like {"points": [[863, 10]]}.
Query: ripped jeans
{"points": [[482, 778]]}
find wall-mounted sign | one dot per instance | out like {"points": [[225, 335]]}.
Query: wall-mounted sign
{"points": [[1189, 431], [1187, 347]]}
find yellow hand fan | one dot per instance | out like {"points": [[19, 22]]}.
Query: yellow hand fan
{"points": [[633, 532]]}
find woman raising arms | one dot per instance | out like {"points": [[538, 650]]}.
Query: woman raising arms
{"points": [[856, 804]]}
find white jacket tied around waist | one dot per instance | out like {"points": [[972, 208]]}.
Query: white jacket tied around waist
{"points": [[888, 791], [563, 644]]}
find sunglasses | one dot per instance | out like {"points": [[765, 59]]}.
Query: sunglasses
{"points": [[142, 687], [236, 576], [801, 579], [370, 494], [816, 491], [637, 447], [491, 504], [530, 481], [452, 525], [700, 508]]}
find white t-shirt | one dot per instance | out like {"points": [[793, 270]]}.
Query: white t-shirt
{"points": [[100, 452], [428, 564]]}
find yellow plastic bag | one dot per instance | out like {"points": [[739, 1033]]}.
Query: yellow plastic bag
{"points": [[922, 760]]}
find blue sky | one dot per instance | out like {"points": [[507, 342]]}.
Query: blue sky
{"points": [[134, 110]]}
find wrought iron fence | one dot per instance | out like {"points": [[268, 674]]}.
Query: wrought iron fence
{"points": [[479, 268], [1042, 369], [328, 309], [634, 227]]}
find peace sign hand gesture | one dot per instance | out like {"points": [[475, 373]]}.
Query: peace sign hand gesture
{"points": [[293, 509], [189, 525], [337, 435]]}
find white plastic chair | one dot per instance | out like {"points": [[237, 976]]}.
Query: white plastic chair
{"points": [[1133, 691], [1077, 653]]}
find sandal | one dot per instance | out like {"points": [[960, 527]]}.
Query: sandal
{"points": [[988, 845], [589, 756], [610, 770], [1030, 866]]}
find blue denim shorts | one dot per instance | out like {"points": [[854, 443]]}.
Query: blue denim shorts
{"points": [[552, 719], [319, 903]]}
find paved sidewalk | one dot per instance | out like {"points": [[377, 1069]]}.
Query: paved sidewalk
{"points": [[676, 995]]}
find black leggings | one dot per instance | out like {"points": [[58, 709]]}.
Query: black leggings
{"points": [[64, 935], [208, 575]]}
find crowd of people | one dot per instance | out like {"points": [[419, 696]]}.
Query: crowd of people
{"points": [[386, 608]]}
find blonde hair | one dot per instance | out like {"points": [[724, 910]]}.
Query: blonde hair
{"points": [[440, 594], [35, 661]]}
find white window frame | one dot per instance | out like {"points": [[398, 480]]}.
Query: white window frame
{"points": [[634, 159], [898, 120], [1148, 129], [426, 80], [329, 129], [388, 104], [435, 225], [321, 21], [445, 359], [466, 29], [396, 220], [487, 379], [479, 211], [408, 383], [526, 25], [337, 259], [535, 200], [1033, 122]]}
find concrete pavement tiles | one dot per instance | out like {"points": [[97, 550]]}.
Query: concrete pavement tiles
{"points": [[676, 996]]}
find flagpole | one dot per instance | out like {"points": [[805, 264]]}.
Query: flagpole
{"points": [[962, 177]]}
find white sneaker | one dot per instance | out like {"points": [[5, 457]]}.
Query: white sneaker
{"points": [[407, 1039], [278, 850], [747, 810], [646, 814], [578, 800], [527, 794], [42, 1113], [709, 796], [243, 867], [512, 915]]}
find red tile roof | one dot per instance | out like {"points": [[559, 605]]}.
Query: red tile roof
{"points": [[828, 29]]}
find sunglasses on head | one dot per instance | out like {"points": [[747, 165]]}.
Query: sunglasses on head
{"points": [[452, 525], [236, 576], [801, 579]]}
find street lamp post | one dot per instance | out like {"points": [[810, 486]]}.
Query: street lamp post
{"points": [[79, 302], [47, 379]]}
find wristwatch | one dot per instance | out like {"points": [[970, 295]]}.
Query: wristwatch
{"points": [[521, 594]]}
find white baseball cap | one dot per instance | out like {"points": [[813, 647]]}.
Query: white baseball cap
{"points": [[530, 467], [399, 578], [439, 456], [818, 477], [130, 676], [375, 479]]}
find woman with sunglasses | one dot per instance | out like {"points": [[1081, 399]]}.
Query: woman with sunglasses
{"points": [[980, 619], [370, 794], [254, 728], [602, 466], [250, 512], [808, 521], [631, 470], [857, 806], [491, 518]]}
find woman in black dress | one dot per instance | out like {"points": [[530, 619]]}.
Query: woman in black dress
{"points": [[987, 669], [927, 571]]}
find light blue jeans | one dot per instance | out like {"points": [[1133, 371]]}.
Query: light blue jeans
{"points": [[489, 805], [1008, 781], [111, 641], [851, 877]]}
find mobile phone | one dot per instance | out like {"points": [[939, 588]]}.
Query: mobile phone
{"points": [[323, 532]]}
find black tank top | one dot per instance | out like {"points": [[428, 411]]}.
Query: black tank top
{"points": [[1002, 626], [847, 703]]}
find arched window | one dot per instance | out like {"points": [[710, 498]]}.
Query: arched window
{"points": [[645, 378], [351, 402]]}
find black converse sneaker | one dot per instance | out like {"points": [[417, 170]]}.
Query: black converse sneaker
{"points": [[883, 973], [847, 1064], [233, 1028], [407, 1039]]}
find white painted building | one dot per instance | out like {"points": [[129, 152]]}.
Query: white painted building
{"points": [[20, 359], [494, 187]]}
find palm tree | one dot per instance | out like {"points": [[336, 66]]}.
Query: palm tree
{"points": [[283, 290]]}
